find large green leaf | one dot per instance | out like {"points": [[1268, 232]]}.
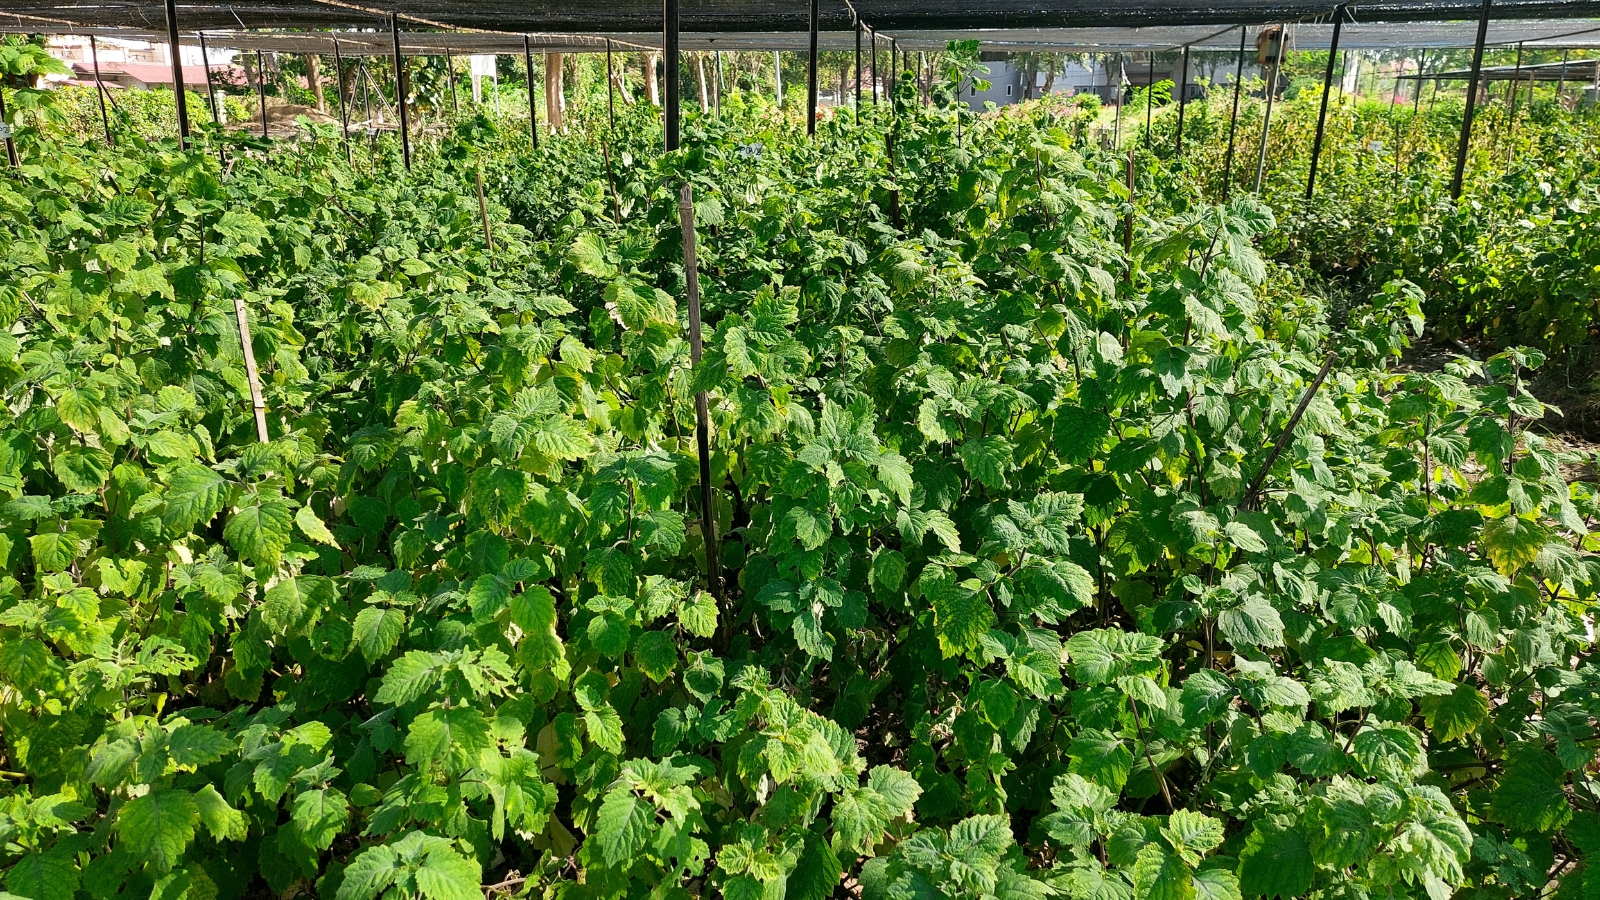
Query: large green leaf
{"points": [[158, 826]]}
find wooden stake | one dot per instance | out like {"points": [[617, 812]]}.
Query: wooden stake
{"points": [[254, 377], [702, 429], [483, 213]]}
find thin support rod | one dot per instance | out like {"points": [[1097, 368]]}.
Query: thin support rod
{"points": [[252, 375], [702, 416], [1183, 98], [1472, 103], [1322, 108], [858, 71], [450, 76], [344, 106], [671, 111], [1266, 120], [211, 96], [175, 51], [401, 83], [101, 90], [211, 87], [811, 72], [1511, 95], [1561, 79], [1254, 491], [261, 91], [894, 72], [1149, 96], [533, 102], [611, 88], [874, 33], [1233, 120]]}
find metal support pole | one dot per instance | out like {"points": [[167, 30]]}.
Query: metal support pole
{"points": [[1149, 96], [1472, 103], [811, 74], [401, 84], [1266, 120], [211, 95], [533, 101], [1416, 98], [1183, 98], [101, 90], [721, 85], [611, 88], [777, 77], [450, 76], [874, 33], [1561, 79], [211, 88], [179, 94], [1233, 119], [1322, 109], [261, 92], [1511, 95], [702, 416], [344, 107], [894, 70], [858, 71], [669, 59]]}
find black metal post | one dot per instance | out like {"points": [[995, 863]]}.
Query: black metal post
{"points": [[401, 83], [1322, 111], [101, 90], [894, 69], [178, 92], [1472, 103], [1183, 101], [211, 95], [1149, 96], [261, 91], [1233, 119], [344, 107], [669, 57], [211, 88], [1511, 95], [450, 76], [811, 73], [1416, 98], [11, 142], [533, 103], [874, 34], [858, 71], [611, 88], [1561, 79]]}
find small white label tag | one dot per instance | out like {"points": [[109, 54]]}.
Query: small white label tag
{"points": [[5, 131]]}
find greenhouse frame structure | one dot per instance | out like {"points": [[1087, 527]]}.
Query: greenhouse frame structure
{"points": [[408, 28], [444, 27]]}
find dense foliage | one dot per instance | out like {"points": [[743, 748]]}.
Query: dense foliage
{"points": [[1517, 264], [1000, 612]]}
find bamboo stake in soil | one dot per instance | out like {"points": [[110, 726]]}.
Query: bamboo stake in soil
{"points": [[254, 377], [483, 213], [702, 429]]}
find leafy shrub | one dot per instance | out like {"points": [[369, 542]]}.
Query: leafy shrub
{"points": [[1017, 597]]}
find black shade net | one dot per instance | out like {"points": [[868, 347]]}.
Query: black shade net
{"points": [[733, 16]]}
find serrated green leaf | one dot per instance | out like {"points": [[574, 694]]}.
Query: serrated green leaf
{"points": [[158, 826]]}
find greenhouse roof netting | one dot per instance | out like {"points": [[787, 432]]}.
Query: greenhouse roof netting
{"points": [[733, 16], [374, 41]]}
